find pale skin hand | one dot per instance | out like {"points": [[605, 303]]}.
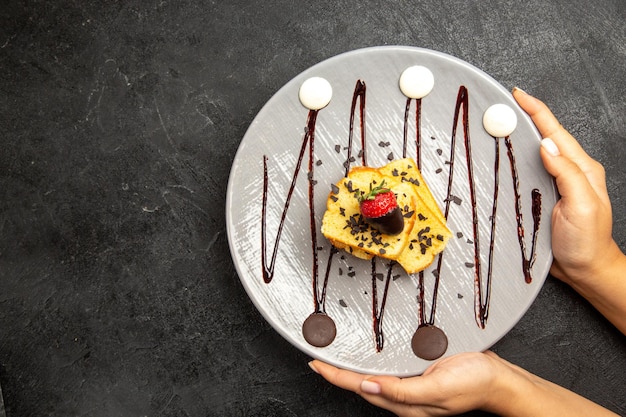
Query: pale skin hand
{"points": [[586, 257], [464, 382], [453, 385], [585, 254]]}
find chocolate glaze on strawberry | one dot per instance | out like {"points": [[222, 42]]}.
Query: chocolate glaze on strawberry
{"points": [[380, 209], [391, 223]]}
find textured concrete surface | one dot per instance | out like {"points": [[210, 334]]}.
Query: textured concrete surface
{"points": [[118, 125]]}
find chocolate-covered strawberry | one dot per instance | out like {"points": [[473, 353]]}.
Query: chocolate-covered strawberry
{"points": [[380, 209]]}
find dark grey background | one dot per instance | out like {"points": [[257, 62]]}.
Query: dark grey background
{"points": [[119, 121]]}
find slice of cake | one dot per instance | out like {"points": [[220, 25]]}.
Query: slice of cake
{"points": [[345, 227], [424, 234]]}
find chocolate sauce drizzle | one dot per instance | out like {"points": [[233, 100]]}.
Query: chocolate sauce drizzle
{"points": [[418, 136], [378, 311], [483, 304], [472, 189], [535, 195], [429, 342], [481, 310], [462, 100], [527, 262], [311, 178], [269, 266], [318, 329], [360, 90], [482, 292]]}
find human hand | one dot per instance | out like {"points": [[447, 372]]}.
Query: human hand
{"points": [[582, 241], [585, 254], [464, 382], [453, 385]]}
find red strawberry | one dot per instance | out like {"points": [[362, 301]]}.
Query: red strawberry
{"points": [[380, 209]]}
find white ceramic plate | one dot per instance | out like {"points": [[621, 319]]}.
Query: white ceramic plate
{"points": [[277, 132]]}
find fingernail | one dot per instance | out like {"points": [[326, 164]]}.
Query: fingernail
{"points": [[313, 367], [549, 145], [520, 90], [370, 387]]}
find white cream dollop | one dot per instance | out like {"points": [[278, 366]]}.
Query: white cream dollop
{"points": [[315, 93], [499, 120], [416, 81]]}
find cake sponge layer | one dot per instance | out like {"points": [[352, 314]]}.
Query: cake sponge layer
{"points": [[425, 233]]}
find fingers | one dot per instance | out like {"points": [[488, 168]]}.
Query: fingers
{"points": [[561, 143], [541, 115], [392, 388], [357, 383], [409, 391], [348, 380], [571, 181], [549, 126]]}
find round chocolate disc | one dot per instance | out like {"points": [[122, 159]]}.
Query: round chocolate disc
{"points": [[319, 330], [429, 342]]}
